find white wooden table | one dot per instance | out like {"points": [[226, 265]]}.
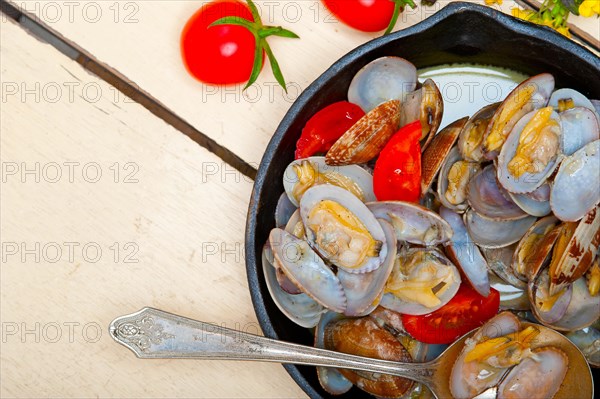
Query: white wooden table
{"points": [[108, 203]]}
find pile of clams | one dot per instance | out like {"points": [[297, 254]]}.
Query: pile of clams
{"points": [[509, 200]]}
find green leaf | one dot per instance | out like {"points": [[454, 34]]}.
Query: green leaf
{"points": [[275, 66], [258, 62], [286, 33], [254, 12], [234, 20]]}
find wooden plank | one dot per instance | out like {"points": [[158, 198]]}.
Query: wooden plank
{"points": [[174, 210], [141, 41]]}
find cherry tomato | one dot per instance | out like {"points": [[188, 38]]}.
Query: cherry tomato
{"points": [[397, 174], [364, 15], [222, 54], [466, 311], [326, 126]]}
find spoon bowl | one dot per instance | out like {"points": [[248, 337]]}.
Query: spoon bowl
{"points": [[152, 333]]}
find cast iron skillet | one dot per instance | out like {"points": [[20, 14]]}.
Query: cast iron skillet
{"points": [[460, 32]]}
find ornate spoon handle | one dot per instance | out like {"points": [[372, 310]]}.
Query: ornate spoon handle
{"points": [[152, 333]]}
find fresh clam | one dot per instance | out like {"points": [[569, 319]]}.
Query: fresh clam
{"points": [[533, 248], [330, 378], [436, 152], [342, 229], [489, 199], [453, 179], [425, 105], [470, 141], [284, 210], [576, 190], [364, 291], [549, 363], [303, 174], [367, 137], [381, 80], [307, 270], [364, 337], [588, 341], [413, 223], [301, 309], [421, 282], [564, 99], [496, 233], [532, 94], [531, 152], [463, 251], [499, 261], [469, 379], [580, 127], [575, 250], [531, 206]]}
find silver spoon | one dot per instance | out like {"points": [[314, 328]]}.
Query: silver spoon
{"points": [[152, 333]]}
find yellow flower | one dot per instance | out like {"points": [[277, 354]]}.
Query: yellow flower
{"points": [[564, 30], [492, 2], [589, 8], [522, 14]]}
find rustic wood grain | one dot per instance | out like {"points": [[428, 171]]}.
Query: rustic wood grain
{"points": [[141, 40], [185, 209]]}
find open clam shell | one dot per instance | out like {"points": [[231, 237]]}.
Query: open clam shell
{"points": [[301, 309], [330, 244], [470, 141], [549, 362], [531, 206], [465, 254], [531, 94], [426, 105], [489, 200], [367, 137], [364, 291], [499, 261], [302, 174], [496, 233], [565, 99], [284, 210], [528, 181], [443, 183], [576, 190], [575, 250], [469, 379], [427, 256], [381, 80], [581, 310], [412, 223], [436, 152], [330, 378], [539, 293], [533, 248], [588, 341], [580, 127], [307, 270], [511, 297]]}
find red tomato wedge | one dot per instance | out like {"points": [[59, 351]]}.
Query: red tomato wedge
{"points": [[465, 312], [326, 126], [397, 174]]}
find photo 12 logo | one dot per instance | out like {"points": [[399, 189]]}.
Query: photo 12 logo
{"points": [[69, 171]]}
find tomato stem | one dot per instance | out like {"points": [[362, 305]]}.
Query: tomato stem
{"points": [[398, 8], [260, 32]]}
